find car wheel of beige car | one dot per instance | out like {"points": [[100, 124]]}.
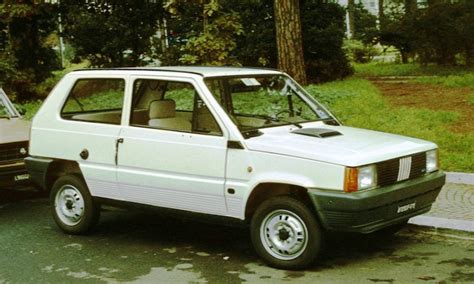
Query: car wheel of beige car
{"points": [[74, 210], [285, 233]]}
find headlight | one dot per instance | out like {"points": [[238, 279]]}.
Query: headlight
{"points": [[432, 161], [367, 177], [360, 178]]}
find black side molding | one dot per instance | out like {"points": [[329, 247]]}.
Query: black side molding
{"points": [[235, 145]]}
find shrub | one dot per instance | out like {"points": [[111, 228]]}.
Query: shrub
{"points": [[359, 52]]}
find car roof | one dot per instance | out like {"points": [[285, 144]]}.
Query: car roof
{"points": [[204, 71]]}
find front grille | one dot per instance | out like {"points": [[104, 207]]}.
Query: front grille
{"points": [[12, 151], [399, 169]]}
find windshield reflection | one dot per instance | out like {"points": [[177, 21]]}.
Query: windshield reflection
{"points": [[255, 102]]}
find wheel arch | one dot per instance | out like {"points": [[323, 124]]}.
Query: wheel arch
{"points": [[267, 190], [58, 168]]}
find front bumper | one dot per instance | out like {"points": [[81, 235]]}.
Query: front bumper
{"points": [[13, 173], [371, 210]]}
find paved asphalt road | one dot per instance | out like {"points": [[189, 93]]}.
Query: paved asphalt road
{"points": [[150, 248]]}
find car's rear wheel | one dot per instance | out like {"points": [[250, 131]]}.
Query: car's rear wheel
{"points": [[74, 210], [285, 233]]}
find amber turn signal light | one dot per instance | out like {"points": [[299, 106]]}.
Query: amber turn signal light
{"points": [[351, 182]]}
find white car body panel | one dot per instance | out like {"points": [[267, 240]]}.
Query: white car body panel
{"points": [[171, 169], [355, 147]]}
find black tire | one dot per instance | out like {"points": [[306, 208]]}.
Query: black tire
{"points": [[73, 208], [284, 218]]}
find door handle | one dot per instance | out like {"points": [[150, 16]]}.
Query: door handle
{"points": [[117, 142], [84, 154]]}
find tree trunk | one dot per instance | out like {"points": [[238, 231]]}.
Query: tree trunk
{"points": [[469, 56], [381, 14], [410, 7], [404, 57], [351, 12], [289, 39]]}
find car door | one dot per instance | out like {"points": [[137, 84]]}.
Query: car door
{"points": [[88, 130], [172, 153]]}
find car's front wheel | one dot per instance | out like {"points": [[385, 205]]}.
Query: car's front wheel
{"points": [[74, 210], [285, 233]]}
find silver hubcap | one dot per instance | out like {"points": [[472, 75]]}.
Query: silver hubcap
{"points": [[284, 234], [69, 205]]}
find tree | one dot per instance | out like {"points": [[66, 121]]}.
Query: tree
{"points": [[381, 13], [113, 33], [26, 59], [365, 25], [442, 33], [351, 14], [215, 41], [289, 39], [445, 33], [323, 34], [256, 46]]}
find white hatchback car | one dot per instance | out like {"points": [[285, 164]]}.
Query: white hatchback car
{"points": [[242, 143]]}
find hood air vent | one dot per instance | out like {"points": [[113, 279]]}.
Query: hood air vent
{"points": [[317, 132]]}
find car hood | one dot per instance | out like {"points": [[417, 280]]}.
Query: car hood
{"points": [[14, 130], [354, 147]]}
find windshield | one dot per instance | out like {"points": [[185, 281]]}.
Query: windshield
{"points": [[3, 110], [255, 102], [7, 110]]}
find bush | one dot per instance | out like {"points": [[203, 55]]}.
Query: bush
{"points": [[359, 52]]}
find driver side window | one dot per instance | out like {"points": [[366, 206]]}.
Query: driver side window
{"points": [[170, 105]]}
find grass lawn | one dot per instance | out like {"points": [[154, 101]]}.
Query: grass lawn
{"points": [[411, 69], [357, 102]]}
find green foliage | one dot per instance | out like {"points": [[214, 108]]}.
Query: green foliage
{"points": [[359, 52], [365, 25], [107, 100], [214, 46], [26, 59], [358, 103], [323, 33], [443, 33], [214, 43], [113, 33], [451, 81], [471, 99], [29, 108], [444, 30], [256, 46], [391, 69], [396, 30]]}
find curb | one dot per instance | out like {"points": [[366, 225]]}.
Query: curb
{"points": [[444, 223], [463, 178]]}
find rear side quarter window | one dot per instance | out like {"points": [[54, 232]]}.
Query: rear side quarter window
{"points": [[95, 100]]}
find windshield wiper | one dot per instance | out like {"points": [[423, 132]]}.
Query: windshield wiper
{"points": [[5, 116], [251, 133], [276, 119], [330, 121]]}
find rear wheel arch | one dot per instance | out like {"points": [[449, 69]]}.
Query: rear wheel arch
{"points": [[60, 168]]}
